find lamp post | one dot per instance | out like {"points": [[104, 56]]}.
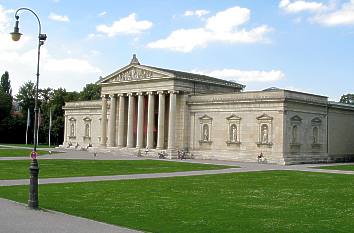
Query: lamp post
{"points": [[34, 168]]}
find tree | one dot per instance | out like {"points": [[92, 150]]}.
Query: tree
{"points": [[26, 97], [91, 91], [347, 99], [6, 84], [5, 96]]}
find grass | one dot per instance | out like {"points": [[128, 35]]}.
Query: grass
{"points": [[28, 145], [271, 201], [18, 169], [338, 167], [10, 152]]}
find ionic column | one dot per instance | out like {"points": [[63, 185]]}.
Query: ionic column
{"points": [[140, 124], [130, 130], [104, 121], [161, 122], [172, 121], [65, 130], [121, 121], [151, 121], [112, 122]]}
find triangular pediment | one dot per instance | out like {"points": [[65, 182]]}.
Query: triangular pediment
{"points": [[233, 117], [316, 120], [296, 118], [205, 117], [134, 72], [264, 117]]}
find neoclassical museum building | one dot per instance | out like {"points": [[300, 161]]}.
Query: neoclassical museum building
{"points": [[168, 110]]}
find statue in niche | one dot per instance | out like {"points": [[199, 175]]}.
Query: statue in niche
{"points": [[294, 134], [233, 133], [264, 134], [87, 130], [315, 135], [205, 132], [72, 129]]}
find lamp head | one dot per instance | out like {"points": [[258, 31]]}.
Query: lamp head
{"points": [[16, 35]]}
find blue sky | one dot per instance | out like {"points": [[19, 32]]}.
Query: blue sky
{"points": [[300, 45]]}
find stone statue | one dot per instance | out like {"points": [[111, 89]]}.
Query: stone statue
{"points": [[233, 133], [205, 133], [264, 137]]}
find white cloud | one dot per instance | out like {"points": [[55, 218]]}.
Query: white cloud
{"points": [[301, 6], [198, 13], [228, 19], [245, 76], [103, 13], [20, 60], [59, 18], [127, 25], [342, 16], [222, 27]]}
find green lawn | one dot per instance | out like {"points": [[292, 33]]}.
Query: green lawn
{"points": [[272, 201], [18, 169], [338, 167], [9, 152], [28, 145]]}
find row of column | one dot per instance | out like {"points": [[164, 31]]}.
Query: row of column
{"points": [[140, 121]]}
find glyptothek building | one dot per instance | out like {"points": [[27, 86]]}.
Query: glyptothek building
{"points": [[162, 110]]}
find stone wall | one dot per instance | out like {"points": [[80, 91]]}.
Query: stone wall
{"points": [[341, 132]]}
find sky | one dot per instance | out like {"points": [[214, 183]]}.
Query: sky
{"points": [[299, 45]]}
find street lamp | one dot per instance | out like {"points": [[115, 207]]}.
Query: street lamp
{"points": [[34, 168]]}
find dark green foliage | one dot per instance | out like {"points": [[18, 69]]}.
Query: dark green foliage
{"points": [[90, 92], [347, 99], [270, 201], [5, 97], [48, 100]]}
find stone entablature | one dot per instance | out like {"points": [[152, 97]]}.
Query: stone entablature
{"points": [[259, 96], [82, 105]]}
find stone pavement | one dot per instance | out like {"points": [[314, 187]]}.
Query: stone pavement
{"points": [[17, 218]]}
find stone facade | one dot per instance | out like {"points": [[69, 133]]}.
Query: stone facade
{"points": [[167, 110]]}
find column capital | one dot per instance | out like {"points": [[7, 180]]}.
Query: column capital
{"points": [[161, 92], [104, 96], [131, 94], [112, 96], [140, 93], [173, 92], [150, 92], [121, 94]]}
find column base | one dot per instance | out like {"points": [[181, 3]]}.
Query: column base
{"points": [[172, 153]]}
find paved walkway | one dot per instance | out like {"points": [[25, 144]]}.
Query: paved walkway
{"points": [[17, 218]]}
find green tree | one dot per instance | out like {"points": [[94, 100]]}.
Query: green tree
{"points": [[26, 97], [5, 96], [347, 99], [91, 91]]}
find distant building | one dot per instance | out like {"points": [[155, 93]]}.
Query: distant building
{"points": [[168, 110]]}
